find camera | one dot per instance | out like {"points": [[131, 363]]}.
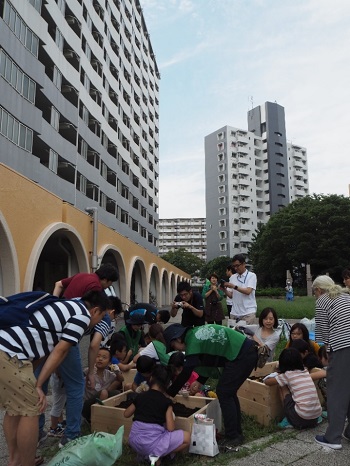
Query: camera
{"points": [[178, 305], [222, 282]]}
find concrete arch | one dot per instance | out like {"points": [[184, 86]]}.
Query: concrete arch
{"points": [[112, 254], [75, 239], [154, 286], [138, 280], [165, 288], [9, 270]]}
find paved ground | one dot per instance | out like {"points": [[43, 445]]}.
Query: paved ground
{"points": [[299, 451]]}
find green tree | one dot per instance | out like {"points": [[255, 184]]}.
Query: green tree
{"points": [[184, 260], [314, 230], [217, 265]]}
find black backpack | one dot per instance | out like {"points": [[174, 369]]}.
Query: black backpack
{"points": [[18, 308]]}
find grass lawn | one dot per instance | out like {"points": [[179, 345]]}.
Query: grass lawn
{"points": [[302, 306]]}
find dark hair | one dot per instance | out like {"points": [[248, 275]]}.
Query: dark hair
{"points": [[164, 316], [231, 268], [238, 257], [264, 313], [346, 273], [300, 345], [155, 332], [322, 352], [145, 364], [118, 343], [213, 275], [104, 348], [183, 286], [176, 360], [94, 298], [304, 330], [108, 272], [290, 360], [160, 376], [116, 304]]}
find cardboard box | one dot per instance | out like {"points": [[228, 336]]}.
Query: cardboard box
{"points": [[108, 418], [262, 401]]}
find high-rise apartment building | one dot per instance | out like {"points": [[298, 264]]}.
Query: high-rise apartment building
{"points": [[79, 107], [187, 233], [250, 174]]}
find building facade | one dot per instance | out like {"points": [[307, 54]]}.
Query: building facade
{"points": [[187, 233], [250, 174], [79, 109], [79, 147]]}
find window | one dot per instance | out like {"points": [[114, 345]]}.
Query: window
{"points": [[53, 160], [16, 77], [222, 223], [57, 77], [223, 246], [55, 118], [59, 40], [15, 131], [20, 29], [82, 184]]}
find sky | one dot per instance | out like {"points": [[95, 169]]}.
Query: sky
{"points": [[220, 58]]}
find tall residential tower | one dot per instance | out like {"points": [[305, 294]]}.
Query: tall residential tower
{"points": [[250, 174], [79, 107]]}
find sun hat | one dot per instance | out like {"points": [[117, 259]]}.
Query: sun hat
{"points": [[172, 332]]}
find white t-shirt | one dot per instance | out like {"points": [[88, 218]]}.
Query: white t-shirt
{"points": [[243, 304]]}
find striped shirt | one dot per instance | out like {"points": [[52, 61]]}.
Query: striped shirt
{"points": [[333, 321], [303, 391], [61, 320]]}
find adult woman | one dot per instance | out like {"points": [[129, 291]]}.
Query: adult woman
{"points": [[333, 328], [213, 295], [266, 334], [299, 331]]}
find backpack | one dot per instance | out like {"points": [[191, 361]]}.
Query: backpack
{"points": [[17, 309]]}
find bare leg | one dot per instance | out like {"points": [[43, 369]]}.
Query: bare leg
{"points": [[10, 426]]}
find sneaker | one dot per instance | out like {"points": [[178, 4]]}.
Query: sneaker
{"points": [[319, 419], [42, 437], [322, 441], [285, 424], [63, 442], [58, 432]]}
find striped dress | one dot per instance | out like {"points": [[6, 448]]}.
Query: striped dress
{"points": [[303, 391]]}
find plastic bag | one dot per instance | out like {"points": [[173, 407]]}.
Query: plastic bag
{"points": [[95, 449], [309, 324]]}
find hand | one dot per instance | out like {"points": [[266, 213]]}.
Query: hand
{"points": [[42, 403], [90, 381]]}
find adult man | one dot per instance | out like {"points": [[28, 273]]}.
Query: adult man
{"points": [[80, 283], [207, 348], [191, 303], [243, 296], [70, 370], [51, 331], [228, 291], [150, 313]]}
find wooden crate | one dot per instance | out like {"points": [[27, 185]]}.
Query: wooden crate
{"points": [[259, 400], [108, 418], [128, 376], [263, 401]]}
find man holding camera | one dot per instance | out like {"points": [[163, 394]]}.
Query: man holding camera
{"points": [[191, 303]]}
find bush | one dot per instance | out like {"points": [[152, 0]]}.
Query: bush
{"points": [[278, 292]]}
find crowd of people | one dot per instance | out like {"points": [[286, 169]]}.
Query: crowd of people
{"points": [[171, 359]]}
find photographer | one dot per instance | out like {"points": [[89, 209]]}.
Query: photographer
{"points": [[191, 303], [213, 295]]}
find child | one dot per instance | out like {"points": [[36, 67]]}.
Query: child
{"points": [[300, 331], [310, 360], [133, 333], [176, 365], [145, 367], [107, 383], [57, 387], [266, 334], [297, 390], [120, 354], [152, 431], [156, 348]]}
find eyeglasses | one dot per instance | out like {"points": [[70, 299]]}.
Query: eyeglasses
{"points": [[184, 294], [236, 265]]}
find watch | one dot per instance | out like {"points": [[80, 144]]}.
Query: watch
{"points": [[236, 287]]}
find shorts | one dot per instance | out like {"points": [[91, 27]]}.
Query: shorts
{"points": [[293, 417], [18, 395], [59, 395]]}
